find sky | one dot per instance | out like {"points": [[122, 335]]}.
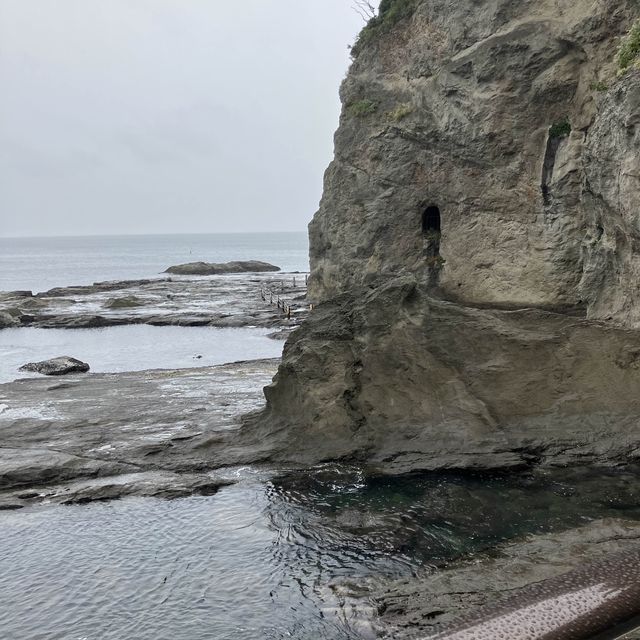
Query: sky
{"points": [[167, 116]]}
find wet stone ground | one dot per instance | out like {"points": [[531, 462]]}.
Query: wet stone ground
{"points": [[217, 301], [96, 436]]}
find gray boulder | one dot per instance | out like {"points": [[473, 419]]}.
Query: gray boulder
{"points": [[214, 269], [57, 366]]}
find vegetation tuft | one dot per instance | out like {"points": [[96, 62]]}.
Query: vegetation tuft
{"points": [[598, 86], [560, 129], [390, 13], [400, 112], [362, 108], [629, 51]]}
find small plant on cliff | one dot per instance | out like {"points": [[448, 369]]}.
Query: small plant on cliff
{"points": [[560, 129], [598, 86], [400, 112], [629, 51], [362, 108], [390, 13]]}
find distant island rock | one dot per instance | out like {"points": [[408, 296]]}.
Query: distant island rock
{"points": [[215, 269], [57, 366]]}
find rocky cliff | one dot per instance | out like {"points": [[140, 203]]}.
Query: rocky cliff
{"points": [[476, 249]]}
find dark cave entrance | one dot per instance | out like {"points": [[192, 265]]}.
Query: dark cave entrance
{"points": [[431, 221], [431, 230]]}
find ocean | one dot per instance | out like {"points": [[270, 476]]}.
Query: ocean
{"points": [[38, 264]]}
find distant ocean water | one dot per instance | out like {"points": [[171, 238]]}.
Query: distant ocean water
{"points": [[39, 264]]}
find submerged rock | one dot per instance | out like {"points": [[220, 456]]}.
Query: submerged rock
{"points": [[213, 269], [57, 366]]}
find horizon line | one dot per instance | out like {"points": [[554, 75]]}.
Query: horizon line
{"points": [[142, 234]]}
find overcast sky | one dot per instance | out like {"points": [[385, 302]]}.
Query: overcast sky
{"points": [[163, 116]]}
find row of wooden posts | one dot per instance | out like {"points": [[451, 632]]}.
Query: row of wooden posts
{"points": [[267, 294]]}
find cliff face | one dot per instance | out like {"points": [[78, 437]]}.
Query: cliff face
{"points": [[465, 107], [476, 248]]}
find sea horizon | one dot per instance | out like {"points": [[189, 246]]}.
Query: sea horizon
{"points": [[150, 234], [39, 263]]}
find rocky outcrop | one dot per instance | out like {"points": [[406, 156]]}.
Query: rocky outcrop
{"points": [[61, 366], [406, 382], [611, 199], [99, 437], [125, 302], [482, 112], [7, 320], [475, 251], [216, 302], [215, 269]]}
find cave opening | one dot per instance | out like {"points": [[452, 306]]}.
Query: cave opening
{"points": [[431, 220]]}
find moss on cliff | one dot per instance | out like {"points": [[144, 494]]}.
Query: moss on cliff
{"points": [[390, 13], [629, 52]]}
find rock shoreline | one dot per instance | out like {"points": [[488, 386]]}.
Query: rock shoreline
{"points": [[106, 436], [228, 301]]}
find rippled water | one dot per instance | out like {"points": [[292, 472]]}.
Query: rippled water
{"points": [[274, 559]]}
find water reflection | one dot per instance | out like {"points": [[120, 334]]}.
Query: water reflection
{"points": [[289, 557]]}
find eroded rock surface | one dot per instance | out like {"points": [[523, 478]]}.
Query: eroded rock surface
{"points": [[492, 113], [405, 381], [109, 435], [228, 301], [475, 255]]}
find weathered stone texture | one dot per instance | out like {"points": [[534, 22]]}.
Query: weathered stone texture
{"points": [[465, 95], [509, 338]]}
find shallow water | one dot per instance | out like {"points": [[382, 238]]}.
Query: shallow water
{"points": [[134, 347], [274, 559], [39, 264]]}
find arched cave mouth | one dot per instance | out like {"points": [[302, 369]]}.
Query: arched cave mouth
{"points": [[431, 229], [431, 222]]}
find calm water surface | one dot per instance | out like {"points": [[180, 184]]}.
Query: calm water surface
{"points": [[268, 559], [134, 347], [38, 264]]}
